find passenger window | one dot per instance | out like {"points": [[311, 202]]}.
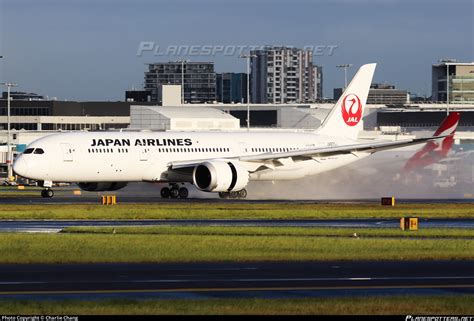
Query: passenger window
{"points": [[28, 151], [38, 151]]}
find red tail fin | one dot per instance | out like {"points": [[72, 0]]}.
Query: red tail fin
{"points": [[434, 151]]}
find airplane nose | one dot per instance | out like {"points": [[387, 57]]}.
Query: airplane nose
{"points": [[20, 166]]}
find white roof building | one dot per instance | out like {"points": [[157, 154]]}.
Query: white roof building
{"points": [[181, 118]]}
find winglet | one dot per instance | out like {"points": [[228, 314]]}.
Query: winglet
{"points": [[434, 151]]}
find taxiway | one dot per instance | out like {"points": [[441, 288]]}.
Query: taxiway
{"points": [[300, 279]]}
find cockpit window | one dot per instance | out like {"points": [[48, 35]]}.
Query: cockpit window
{"points": [[39, 151], [28, 151]]}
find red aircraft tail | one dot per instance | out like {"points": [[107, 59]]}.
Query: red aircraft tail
{"points": [[434, 151]]}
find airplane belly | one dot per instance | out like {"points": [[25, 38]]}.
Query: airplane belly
{"points": [[96, 170]]}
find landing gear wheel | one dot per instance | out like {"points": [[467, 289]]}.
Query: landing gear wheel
{"points": [[47, 193], [174, 192], [183, 192], [234, 194], [224, 195], [165, 192], [242, 193]]}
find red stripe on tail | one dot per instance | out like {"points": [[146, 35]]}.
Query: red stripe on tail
{"points": [[434, 151]]}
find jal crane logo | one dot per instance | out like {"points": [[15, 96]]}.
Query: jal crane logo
{"points": [[351, 109]]}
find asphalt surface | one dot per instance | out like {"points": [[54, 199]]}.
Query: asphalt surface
{"points": [[54, 226], [204, 280], [66, 197]]}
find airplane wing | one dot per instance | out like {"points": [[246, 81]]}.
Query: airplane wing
{"points": [[445, 132], [306, 154]]}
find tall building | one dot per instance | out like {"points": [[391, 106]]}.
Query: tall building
{"points": [[199, 80], [283, 75], [461, 81], [318, 82], [231, 87]]}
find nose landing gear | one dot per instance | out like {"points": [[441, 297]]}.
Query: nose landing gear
{"points": [[47, 193]]}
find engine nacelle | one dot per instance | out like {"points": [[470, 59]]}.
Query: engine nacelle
{"points": [[220, 176], [100, 187]]}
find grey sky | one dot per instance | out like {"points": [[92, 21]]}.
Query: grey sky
{"points": [[86, 50]]}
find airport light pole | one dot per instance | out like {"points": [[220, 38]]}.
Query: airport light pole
{"points": [[447, 87], [182, 61], [248, 86], [345, 66], [9, 158]]}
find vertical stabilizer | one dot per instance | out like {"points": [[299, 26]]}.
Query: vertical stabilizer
{"points": [[345, 118], [434, 151]]}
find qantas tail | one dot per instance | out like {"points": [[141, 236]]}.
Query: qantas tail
{"points": [[345, 118], [434, 151]]}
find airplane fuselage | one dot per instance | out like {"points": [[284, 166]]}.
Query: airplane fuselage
{"points": [[145, 156]]}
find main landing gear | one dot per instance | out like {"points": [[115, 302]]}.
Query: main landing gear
{"points": [[174, 191], [234, 194], [47, 193]]}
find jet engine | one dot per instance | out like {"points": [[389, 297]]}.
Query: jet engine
{"points": [[220, 176], [100, 187]]}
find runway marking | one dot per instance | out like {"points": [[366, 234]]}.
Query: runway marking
{"points": [[239, 289], [30, 230], [245, 280], [303, 279], [21, 282]]}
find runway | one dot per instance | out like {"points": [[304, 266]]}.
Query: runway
{"points": [[63, 197], [217, 280], [54, 226]]}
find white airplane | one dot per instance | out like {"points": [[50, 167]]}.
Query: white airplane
{"points": [[222, 162]]}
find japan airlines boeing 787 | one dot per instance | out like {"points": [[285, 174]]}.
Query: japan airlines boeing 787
{"points": [[222, 162]]}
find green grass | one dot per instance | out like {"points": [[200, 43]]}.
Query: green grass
{"points": [[172, 244], [186, 210], [399, 305], [278, 231]]}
